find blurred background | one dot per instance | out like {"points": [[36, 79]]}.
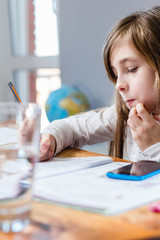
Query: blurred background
{"points": [[47, 43]]}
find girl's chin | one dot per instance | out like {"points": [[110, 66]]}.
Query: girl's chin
{"points": [[152, 109], [149, 109], [129, 107]]}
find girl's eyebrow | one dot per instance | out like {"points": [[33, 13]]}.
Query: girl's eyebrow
{"points": [[126, 59], [130, 59]]}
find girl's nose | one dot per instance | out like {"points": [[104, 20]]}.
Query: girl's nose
{"points": [[121, 85]]}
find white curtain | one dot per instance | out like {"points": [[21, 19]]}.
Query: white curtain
{"points": [[18, 26]]}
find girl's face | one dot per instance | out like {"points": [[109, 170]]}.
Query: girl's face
{"points": [[135, 78]]}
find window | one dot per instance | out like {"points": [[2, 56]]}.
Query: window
{"points": [[46, 34], [34, 49]]}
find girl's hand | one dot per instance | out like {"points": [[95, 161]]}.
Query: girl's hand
{"points": [[145, 130], [157, 117], [47, 146]]}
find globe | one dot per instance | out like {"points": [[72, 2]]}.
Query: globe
{"points": [[64, 102]]}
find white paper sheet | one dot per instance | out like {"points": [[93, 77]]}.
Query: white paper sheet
{"points": [[58, 165], [91, 188], [8, 135], [9, 186]]}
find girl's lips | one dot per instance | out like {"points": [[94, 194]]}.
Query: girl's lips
{"points": [[130, 102]]}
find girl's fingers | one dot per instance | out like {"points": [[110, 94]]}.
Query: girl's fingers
{"points": [[44, 146], [142, 112], [47, 146], [133, 120], [46, 142], [156, 117]]}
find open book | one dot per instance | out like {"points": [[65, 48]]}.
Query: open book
{"points": [[82, 183]]}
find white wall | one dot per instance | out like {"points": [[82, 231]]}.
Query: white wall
{"points": [[84, 24]]}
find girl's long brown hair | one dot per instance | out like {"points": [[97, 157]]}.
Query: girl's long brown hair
{"points": [[143, 30]]}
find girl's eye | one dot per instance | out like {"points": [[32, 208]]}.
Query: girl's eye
{"points": [[132, 69], [115, 77]]}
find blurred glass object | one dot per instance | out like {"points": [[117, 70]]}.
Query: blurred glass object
{"points": [[36, 85]]}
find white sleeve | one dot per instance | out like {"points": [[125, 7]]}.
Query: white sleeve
{"points": [[153, 152], [85, 128]]}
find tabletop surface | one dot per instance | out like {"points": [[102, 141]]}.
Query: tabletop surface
{"points": [[53, 222]]}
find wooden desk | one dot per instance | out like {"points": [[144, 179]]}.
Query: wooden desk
{"points": [[52, 222]]}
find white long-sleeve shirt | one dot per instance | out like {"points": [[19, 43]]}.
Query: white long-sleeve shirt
{"points": [[94, 127]]}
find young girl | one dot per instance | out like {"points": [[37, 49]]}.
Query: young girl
{"points": [[132, 61]]}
